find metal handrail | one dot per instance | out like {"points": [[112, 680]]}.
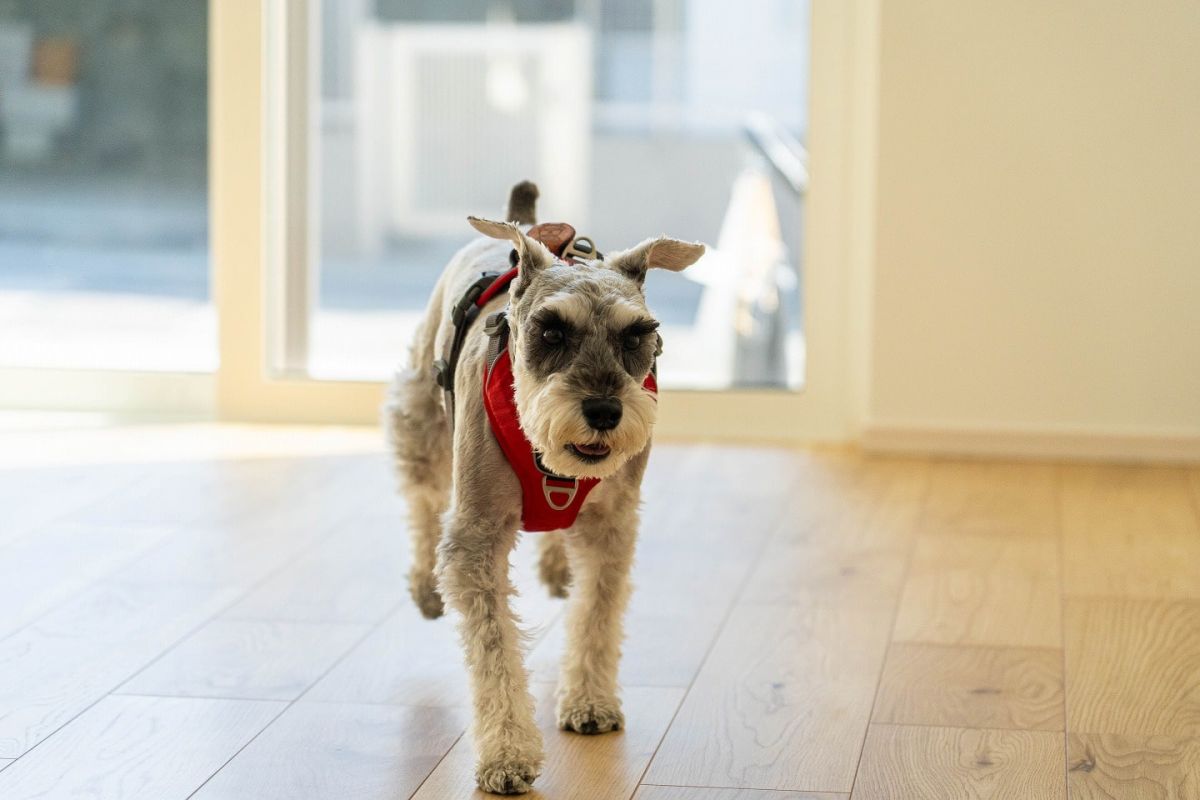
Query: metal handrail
{"points": [[781, 149]]}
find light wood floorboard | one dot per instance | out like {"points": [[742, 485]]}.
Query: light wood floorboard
{"points": [[44, 568], [1130, 532], [982, 589], [782, 702], [904, 762], [805, 625], [73, 657], [146, 747], [988, 498], [339, 750], [971, 687], [408, 660], [848, 528], [25, 493], [352, 577], [1106, 766], [1133, 666], [248, 659]]}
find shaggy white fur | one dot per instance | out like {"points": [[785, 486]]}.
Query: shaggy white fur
{"points": [[465, 501]]}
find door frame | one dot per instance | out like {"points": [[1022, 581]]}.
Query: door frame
{"points": [[258, 226]]}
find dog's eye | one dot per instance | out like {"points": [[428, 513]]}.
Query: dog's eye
{"points": [[631, 341], [553, 336]]}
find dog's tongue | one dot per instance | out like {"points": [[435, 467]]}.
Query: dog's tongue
{"points": [[593, 449]]}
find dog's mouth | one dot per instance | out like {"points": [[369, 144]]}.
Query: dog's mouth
{"points": [[591, 453]]}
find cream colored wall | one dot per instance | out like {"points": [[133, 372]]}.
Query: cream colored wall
{"points": [[1037, 262]]}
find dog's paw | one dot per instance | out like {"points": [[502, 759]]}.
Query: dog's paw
{"points": [[506, 776], [590, 716], [423, 589], [554, 569]]}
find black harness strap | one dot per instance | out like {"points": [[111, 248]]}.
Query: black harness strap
{"points": [[463, 315], [496, 329], [478, 294]]}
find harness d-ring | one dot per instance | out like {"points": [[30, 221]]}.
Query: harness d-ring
{"points": [[568, 490]]}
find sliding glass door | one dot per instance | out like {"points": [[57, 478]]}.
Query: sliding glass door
{"points": [[103, 185], [683, 117], [320, 157]]}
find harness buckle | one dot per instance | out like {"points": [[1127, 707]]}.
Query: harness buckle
{"points": [[581, 247], [550, 490], [471, 295]]}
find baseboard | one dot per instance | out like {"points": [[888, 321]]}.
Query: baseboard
{"points": [[1056, 444]]}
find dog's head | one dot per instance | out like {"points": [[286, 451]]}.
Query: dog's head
{"points": [[582, 344]]}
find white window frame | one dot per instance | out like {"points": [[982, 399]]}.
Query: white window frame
{"points": [[262, 236]]}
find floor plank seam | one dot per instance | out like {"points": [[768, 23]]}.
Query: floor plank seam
{"points": [[116, 689], [909, 556], [58, 519], [740, 788], [973, 646], [997, 728], [1188, 599], [177, 531], [254, 586], [157, 696], [371, 630], [433, 769], [55, 606], [1062, 624], [733, 604]]}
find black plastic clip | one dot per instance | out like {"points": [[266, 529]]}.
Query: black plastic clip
{"points": [[442, 374]]}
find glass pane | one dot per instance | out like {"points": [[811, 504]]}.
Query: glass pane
{"points": [[631, 116], [103, 184]]}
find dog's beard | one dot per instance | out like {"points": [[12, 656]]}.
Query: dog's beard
{"points": [[552, 419]]}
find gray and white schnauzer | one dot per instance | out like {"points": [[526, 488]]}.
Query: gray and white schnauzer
{"points": [[581, 345]]}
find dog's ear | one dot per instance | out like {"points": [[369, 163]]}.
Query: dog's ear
{"points": [[660, 253], [532, 255]]}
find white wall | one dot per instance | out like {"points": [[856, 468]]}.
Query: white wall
{"points": [[1037, 261]]}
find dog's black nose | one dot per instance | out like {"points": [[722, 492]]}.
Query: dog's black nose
{"points": [[602, 413]]}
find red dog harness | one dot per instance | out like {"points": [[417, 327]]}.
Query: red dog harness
{"points": [[548, 501]]}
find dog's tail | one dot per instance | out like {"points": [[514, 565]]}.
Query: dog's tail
{"points": [[522, 203]]}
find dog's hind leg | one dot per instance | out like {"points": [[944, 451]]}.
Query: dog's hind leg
{"points": [[553, 567], [473, 564], [600, 546], [420, 439]]}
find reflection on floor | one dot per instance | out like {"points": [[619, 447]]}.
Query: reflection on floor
{"points": [[218, 612]]}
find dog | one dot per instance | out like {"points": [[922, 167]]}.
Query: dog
{"points": [[564, 368]]}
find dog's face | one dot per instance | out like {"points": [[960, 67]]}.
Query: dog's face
{"points": [[582, 344]]}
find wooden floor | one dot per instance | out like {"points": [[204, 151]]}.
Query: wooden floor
{"points": [[216, 612]]}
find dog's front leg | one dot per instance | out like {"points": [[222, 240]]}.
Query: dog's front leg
{"points": [[473, 560], [600, 547]]}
